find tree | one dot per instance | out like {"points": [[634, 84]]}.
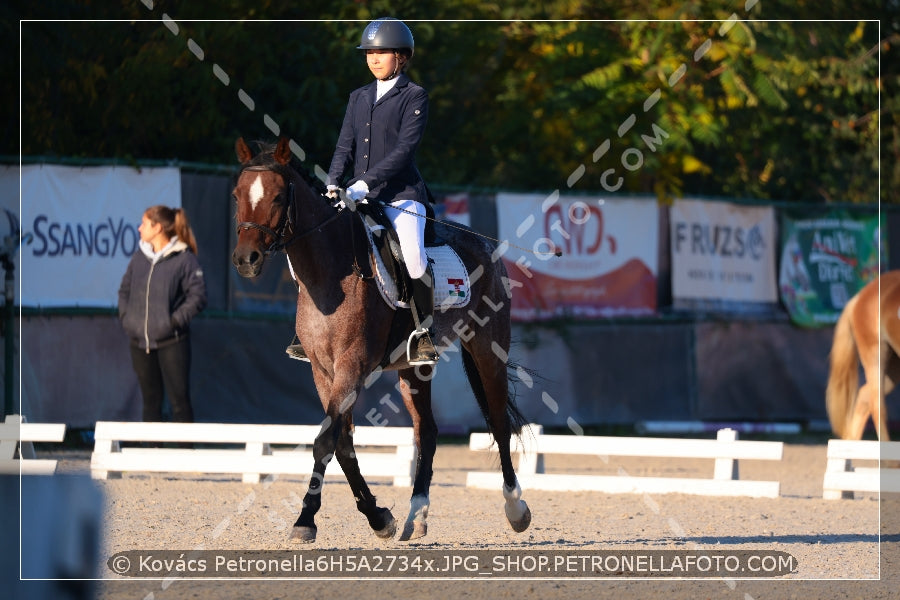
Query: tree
{"points": [[741, 108]]}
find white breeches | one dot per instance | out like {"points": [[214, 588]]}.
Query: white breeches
{"points": [[411, 231]]}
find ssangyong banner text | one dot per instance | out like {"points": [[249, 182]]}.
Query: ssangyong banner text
{"points": [[608, 262], [84, 227], [722, 251]]}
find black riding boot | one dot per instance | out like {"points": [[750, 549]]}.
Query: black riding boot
{"points": [[296, 351], [423, 297]]}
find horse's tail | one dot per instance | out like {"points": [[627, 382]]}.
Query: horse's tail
{"points": [[517, 420], [841, 390]]}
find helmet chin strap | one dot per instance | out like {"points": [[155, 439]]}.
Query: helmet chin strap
{"points": [[396, 68]]}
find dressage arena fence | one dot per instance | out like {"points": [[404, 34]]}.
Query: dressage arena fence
{"points": [[255, 456], [842, 478], [253, 451], [725, 450], [17, 448]]}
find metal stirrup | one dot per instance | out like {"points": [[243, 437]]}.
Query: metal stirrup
{"points": [[416, 334]]}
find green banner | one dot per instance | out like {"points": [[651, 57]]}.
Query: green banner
{"points": [[825, 260]]}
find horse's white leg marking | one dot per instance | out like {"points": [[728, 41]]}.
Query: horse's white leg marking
{"points": [[256, 192], [416, 525], [515, 507], [418, 508]]}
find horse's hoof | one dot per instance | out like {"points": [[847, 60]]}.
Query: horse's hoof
{"points": [[413, 530], [390, 526], [521, 524], [305, 535]]}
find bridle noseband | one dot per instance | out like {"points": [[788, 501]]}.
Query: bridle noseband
{"points": [[279, 243]]}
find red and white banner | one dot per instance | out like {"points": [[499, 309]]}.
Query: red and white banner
{"points": [[608, 265], [456, 208], [722, 251], [82, 223]]}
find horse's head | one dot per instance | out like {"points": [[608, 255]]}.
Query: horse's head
{"points": [[264, 197]]}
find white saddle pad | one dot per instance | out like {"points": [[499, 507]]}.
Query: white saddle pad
{"points": [[451, 279]]}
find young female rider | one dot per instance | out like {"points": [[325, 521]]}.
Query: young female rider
{"points": [[376, 148]]}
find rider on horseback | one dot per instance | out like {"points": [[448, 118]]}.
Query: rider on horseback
{"points": [[382, 128]]}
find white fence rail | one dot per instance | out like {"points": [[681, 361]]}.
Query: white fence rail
{"points": [[842, 478], [250, 451], [17, 448], [725, 452]]}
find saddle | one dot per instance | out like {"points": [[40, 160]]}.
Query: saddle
{"points": [[386, 243], [451, 278]]}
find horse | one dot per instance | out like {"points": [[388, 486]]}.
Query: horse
{"points": [[868, 328], [345, 327]]}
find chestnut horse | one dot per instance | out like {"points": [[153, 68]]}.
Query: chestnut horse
{"points": [[869, 327], [345, 327]]}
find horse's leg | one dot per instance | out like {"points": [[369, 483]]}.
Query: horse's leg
{"points": [[890, 369], [304, 529], [488, 377], [869, 395], [890, 380], [416, 393], [380, 519]]}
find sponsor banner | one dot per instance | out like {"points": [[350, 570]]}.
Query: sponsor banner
{"points": [[83, 226], [722, 252], [825, 260], [454, 207], [608, 265]]}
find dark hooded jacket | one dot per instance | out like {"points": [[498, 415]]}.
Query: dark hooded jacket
{"points": [[158, 299]]}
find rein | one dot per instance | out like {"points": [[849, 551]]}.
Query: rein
{"points": [[557, 252], [279, 243]]}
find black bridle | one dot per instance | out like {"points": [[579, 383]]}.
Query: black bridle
{"points": [[279, 243]]}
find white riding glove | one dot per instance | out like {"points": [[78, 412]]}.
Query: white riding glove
{"points": [[358, 190], [332, 192]]}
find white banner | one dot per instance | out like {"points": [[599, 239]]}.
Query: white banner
{"points": [[609, 251], [83, 223], [722, 251]]}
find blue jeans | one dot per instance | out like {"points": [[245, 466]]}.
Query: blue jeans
{"points": [[165, 370]]}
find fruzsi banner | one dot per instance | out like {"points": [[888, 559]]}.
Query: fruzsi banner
{"points": [[722, 252]]}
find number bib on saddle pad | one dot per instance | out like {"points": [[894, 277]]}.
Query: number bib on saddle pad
{"points": [[451, 287]]}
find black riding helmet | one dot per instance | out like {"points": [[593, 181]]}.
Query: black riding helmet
{"points": [[387, 33]]}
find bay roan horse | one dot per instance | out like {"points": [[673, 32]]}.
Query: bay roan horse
{"points": [[869, 327], [345, 327]]}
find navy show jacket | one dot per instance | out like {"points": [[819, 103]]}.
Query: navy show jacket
{"points": [[378, 141]]}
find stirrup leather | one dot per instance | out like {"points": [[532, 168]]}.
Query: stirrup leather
{"points": [[422, 305]]}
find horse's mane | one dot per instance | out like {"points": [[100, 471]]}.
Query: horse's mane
{"points": [[265, 158]]}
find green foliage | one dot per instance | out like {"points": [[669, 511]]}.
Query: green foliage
{"points": [[689, 99]]}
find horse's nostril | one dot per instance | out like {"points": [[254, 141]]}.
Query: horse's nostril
{"points": [[240, 259]]}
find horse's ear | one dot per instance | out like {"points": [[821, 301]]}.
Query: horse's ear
{"points": [[243, 151], [282, 151]]}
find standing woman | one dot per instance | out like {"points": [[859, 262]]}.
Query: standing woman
{"points": [[162, 290], [375, 153]]}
